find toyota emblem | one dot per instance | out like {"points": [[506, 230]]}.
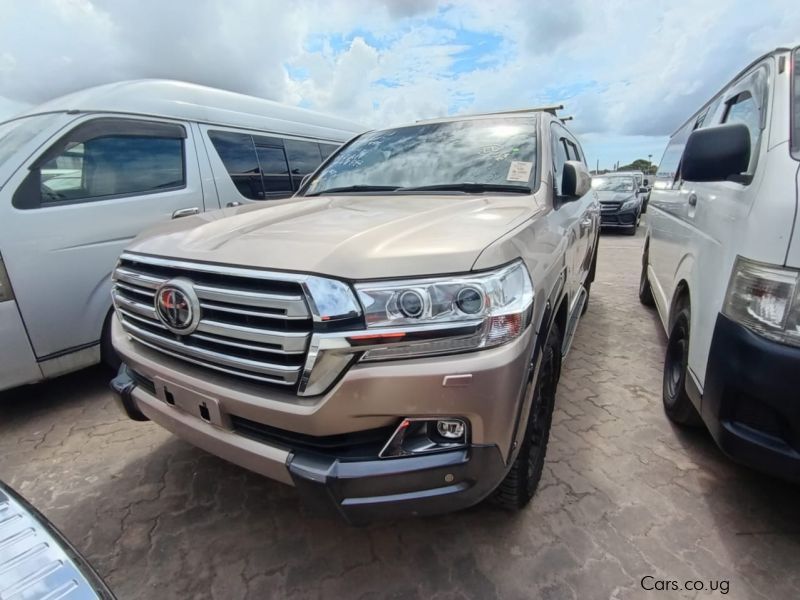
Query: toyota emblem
{"points": [[177, 306]]}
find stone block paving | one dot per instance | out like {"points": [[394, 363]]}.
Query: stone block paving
{"points": [[624, 495]]}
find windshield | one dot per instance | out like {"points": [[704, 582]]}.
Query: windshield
{"points": [[612, 184], [15, 134], [488, 152]]}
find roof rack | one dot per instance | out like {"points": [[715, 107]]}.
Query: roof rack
{"points": [[565, 119], [551, 108]]}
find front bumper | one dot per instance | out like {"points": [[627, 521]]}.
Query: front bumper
{"points": [[299, 440], [619, 218], [750, 401]]}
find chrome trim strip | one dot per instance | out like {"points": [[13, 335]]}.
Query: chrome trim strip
{"points": [[140, 279], [289, 374], [128, 315], [293, 304], [290, 341], [216, 269], [229, 342], [211, 365], [146, 310], [253, 313]]}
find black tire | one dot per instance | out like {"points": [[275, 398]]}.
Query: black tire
{"points": [[109, 356], [645, 291], [519, 485], [677, 404], [632, 229]]}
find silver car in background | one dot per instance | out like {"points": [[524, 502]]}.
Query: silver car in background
{"points": [[82, 175]]}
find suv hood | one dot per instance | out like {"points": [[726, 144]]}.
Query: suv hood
{"points": [[352, 237]]}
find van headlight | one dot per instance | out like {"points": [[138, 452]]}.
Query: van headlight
{"points": [[765, 299], [445, 314]]}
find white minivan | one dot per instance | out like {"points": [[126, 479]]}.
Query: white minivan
{"points": [[721, 263], [82, 175]]}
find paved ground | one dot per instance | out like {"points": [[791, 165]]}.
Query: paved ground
{"points": [[624, 496]]}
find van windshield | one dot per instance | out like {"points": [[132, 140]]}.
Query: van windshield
{"points": [[493, 154], [796, 103], [15, 134]]}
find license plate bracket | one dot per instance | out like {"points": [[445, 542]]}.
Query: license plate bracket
{"points": [[202, 406]]}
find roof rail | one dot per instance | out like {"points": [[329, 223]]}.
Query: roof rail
{"points": [[552, 108]]}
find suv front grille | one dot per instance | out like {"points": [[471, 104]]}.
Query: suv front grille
{"points": [[609, 207], [253, 324]]}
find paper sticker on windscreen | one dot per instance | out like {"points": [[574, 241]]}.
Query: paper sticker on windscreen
{"points": [[519, 170]]}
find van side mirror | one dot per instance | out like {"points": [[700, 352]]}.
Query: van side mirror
{"points": [[716, 153], [575, 180]]}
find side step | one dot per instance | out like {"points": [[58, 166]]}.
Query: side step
{"points": [[572, 321]]}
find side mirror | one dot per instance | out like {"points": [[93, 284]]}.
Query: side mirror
{"points": [[716, 153], [643, 190], [575, 181]]}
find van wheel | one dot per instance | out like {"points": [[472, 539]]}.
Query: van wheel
{"points": [[645, 291], [677, 404], [108, 355], [519, 485]]}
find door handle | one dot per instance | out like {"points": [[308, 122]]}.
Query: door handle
{"points": [[233, 204], [692, 199], [185, 212], [586, 222]]}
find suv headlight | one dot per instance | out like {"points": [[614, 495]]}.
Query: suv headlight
{"points": [[443, 315], [766, 299], [628, 204]]}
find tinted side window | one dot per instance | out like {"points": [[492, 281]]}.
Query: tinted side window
{"points": [[670, 161], [105, 158], [560, 156], [304, 158], [327, 149], [274, 170], [743, 109], [238, 154]]}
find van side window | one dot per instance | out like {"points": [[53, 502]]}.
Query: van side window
{"points": [[274, 171], [106, 158], [304, 158], [327, 149], [238, 154], [742, 108], [667, 173]]}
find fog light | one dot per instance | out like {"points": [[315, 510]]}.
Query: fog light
{"points": [[450, 429]]}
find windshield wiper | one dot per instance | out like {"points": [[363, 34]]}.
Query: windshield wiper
{"points": [[355, 188], [470, 188]]}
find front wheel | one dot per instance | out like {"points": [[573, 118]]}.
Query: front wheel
{"points": [[520, 484], [645, 291], [677, 404]]}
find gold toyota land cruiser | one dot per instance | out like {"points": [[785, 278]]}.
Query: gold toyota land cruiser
{"points": [[389, 340]]}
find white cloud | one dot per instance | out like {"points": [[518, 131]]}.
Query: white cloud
{"points": [[623, 70]]}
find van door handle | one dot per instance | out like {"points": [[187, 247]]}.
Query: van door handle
{"points": [[185, 212], [232, 204], [692, 199]]}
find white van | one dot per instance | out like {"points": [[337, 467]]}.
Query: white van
{"points": [[81, 175], [721, 263]]}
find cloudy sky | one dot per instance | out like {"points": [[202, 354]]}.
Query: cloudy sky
{"points": [[629, 72]]}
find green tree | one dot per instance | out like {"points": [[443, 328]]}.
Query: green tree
{"points": [[640, 164]]}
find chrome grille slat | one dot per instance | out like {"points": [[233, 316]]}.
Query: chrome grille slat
{"points": [[286, 373], [252, 325], [245, 311], [291, 342]]}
